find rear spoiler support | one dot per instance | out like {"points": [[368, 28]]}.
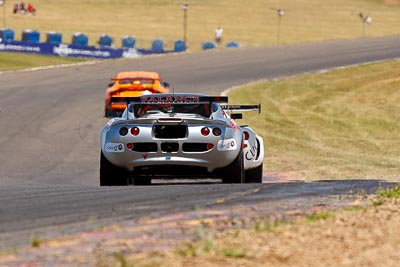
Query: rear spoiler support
{"points": [[240, 108]]}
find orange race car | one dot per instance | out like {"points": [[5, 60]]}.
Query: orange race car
{"points": [[131, 84]]}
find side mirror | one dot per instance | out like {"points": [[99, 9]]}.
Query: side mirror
{"points": [[236, 116], [165, 84], [110, 84]]}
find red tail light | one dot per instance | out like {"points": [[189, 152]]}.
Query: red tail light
{"points": [[210, 146], [135, 131], [246, 135], [205, 131], [129, 146]]}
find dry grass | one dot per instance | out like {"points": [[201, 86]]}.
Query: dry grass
{"points": [[342, 124], [341, 240], [15, 61], [253, 23]]}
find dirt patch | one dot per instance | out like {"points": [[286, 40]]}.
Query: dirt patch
{"points": [[368, 237], [281, 177], [392, 2]]}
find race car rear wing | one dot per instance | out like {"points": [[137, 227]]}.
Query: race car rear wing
{"points": [[169, 99], [240, 108], [136, 78]]}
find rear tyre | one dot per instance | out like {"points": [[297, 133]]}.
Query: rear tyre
{"points": [[234, 172], [111, 175], [254, 175]]}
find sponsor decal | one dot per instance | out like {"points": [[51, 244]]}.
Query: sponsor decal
{"points": [[251, 153], [64, 50], [144, 156], [234, 125], [131, 53], [227, 145], [169, 99], [19, 48], [114, 147], [168, 158], [71, 50], [110, 122]]}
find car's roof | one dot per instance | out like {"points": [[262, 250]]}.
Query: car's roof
{"points": [[141, 74]]}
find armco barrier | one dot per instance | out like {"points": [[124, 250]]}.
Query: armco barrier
{"points": [[65, 50]]}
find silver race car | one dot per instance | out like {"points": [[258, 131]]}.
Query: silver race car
{"points": [[179, 135]]}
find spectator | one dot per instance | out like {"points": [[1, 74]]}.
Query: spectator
{"points": [[22, 8], [15, 8], [31, 9], [218, 35]]}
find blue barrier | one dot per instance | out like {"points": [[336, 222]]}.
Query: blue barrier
{"points": [[30, 36], [208, 45], [179, 46], [63, 50], [128, 42], [232, 45], [54, 38], [7, 35], [80, 39], [79, 48], [158, 45], [105, 40]]}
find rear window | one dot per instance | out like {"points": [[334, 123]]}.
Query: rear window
{"points": [[141, 110], [136, 81]]}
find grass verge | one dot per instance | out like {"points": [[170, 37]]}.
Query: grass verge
{"points": [[17, 61], [342, 124]]}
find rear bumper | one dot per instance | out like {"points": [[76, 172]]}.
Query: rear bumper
{"points": [[210, 160]]}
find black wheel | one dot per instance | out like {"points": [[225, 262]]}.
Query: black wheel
{"points": [[111, 175], [254, 175], [141, 181], [234, 172]]}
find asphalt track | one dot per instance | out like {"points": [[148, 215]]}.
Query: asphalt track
{"points": [[50, 121]]}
